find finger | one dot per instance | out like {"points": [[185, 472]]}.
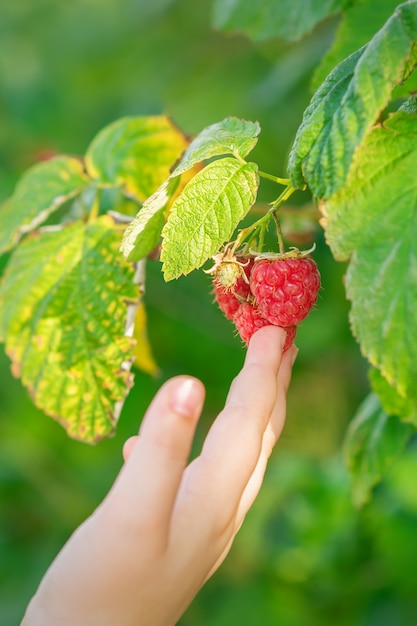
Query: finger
{"points": [[128, 446], [233, 445], [150, 478], [271, 435]]}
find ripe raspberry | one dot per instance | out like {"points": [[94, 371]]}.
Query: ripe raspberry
{"points": [[228, 298], [291, 333], [248, 320], [285, 289]]}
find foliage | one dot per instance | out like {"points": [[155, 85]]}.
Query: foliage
{"points": [[69, 297], [337, 141]]}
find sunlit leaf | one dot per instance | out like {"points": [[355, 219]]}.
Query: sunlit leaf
{"points": [[144, 358], [136, 153], [349, 102], [63, 304], [206, 214], [142, 235], [231, 136], [373, 441], [40, 192]]}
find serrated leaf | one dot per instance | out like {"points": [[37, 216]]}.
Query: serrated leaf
{"points": [[230, 136], [144, 358], [410, 105], [136, 153], [206, 214], [39, 192], [142, 235], [348, 104], [391, 401], [373, 218], [63, 304], [361, 20], [373, 441], [287, 19]]}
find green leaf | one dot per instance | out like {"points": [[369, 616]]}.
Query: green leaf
{"points": [[348, 103], [391, 401], [361, 20], [373, 441], [373, 218], [230, 136], [63, 309], [287, 19], [206, 213], [142, 235], [39, 192], [136, 153], [410, 105]]}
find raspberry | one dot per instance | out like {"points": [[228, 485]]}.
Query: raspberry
{"points": [[285, 289], [248, 320], [228, 298], [291, 333]]}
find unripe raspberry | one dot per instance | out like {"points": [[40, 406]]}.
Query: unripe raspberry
{"points": [[230, 298], [285, 289]]}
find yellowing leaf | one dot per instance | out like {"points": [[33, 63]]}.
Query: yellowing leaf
{"points": [[144, 359], [136, 153], [63, 310]]}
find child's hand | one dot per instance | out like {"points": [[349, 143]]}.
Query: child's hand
{"points": [[166, 526]]}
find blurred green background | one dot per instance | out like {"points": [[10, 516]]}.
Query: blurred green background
{"points": [[304, 555]]}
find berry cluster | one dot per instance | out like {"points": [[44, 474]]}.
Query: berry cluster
{"points": [[279, 290]]}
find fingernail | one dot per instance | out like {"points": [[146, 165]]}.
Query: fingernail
{"points": [[185, 397]]}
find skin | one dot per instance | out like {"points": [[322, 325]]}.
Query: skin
{"points": [[166, 525]]}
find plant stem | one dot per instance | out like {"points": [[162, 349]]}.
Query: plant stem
{"points": [[275, 179], [279, 232], [261, 224]]}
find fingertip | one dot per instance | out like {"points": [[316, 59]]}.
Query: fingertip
{"points": [[266, 343], [128, 446], [187, 396]]}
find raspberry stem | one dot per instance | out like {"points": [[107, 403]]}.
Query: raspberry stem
{"points": [[275, 179], [261, 224]]}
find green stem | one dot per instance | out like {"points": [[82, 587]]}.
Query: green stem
{"points": [[261, 224], [275, 179], [279, 233]]}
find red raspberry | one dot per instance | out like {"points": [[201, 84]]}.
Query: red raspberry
{"points": [[285, 289], [291, 333], [226, 296], [248, 320]]}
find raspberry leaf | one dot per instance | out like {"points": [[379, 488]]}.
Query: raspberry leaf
{"points": [[391, 401], [361, 20], [373, 219], [136, 153], [287, 19], [40, 192], [230, 136], [63, 308], [349, 102], [373, 441], [142, 235], [206, 213]]}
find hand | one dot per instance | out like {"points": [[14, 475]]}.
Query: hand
{"points": [[166, 526]]}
